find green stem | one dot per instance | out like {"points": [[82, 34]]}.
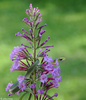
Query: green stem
{"points": [[34, 47], [34, 43], [34, 59]]}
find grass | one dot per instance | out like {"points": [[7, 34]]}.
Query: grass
{"points": [[65, 25]]}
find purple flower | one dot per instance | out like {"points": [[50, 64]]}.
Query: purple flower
{"points": [[55, 84], [12, 55], [57, 63], [22, 48], [16, 49], [49, 67], [48, 59], [58, 79], [9, 85], [41, 91], [12, 68], [56, 71], [15, 65], [43, 78], [22, 86], [18, 93], [32, 86], [20, 78], [18, 53]]}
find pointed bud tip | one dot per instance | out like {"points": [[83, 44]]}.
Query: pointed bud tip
{"points": [[56, 94], [22, 29]]}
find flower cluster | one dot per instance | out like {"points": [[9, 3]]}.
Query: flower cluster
{"points": [[42, 73]]}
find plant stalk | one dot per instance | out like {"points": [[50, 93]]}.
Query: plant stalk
{"points": [[34, 47]]}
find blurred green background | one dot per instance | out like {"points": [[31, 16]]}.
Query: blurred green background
{"points": [[66, 25]]}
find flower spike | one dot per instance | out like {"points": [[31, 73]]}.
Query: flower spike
{"points": [[40, 72]]}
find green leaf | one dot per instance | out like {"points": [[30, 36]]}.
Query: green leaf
{"points": [[23, 95], [31, 69], [14, 88]]}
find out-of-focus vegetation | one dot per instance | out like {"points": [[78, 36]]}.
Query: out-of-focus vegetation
{"points": [[66, 25]]}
